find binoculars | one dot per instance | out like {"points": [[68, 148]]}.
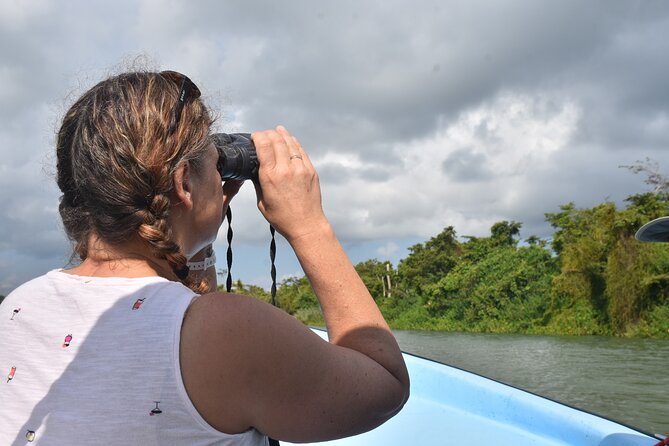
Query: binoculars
{"points": [[237, 159]]}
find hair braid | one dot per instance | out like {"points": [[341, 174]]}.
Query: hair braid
{"points": [[156, 231]]}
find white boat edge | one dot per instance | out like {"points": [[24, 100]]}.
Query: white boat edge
{"points": [[451, 406]]}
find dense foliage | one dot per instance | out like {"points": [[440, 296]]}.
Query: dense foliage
{"points": [[592, 277]]}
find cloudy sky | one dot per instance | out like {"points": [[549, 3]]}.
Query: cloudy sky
{"points": [[417, 114]]}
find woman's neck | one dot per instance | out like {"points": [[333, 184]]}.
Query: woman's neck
{"points": [[132, 259]]}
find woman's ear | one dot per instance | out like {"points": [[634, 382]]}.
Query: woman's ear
{"points": [[183, 185]]}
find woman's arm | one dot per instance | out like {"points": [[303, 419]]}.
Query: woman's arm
{"points": [[246, 364]]}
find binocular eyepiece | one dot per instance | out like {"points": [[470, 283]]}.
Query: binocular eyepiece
{"points": [[237, 159]]}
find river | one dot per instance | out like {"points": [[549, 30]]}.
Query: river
{"points": [[626, 380]]}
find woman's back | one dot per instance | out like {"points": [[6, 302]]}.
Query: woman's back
{"points": [[96, 360]]}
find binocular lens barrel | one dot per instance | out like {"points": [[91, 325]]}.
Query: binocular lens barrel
{"points": [[237, 158]]}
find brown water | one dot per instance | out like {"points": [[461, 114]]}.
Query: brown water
{"points": [[626, 380]]}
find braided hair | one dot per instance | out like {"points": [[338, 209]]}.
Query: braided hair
{"points": [[116, 155]]}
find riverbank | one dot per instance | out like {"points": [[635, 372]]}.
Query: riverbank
{"points": [[567, 323]]}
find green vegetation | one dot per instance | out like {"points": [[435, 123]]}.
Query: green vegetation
{"points": [[593, 277]]}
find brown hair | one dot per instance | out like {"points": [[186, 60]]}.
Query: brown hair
{"points": [[115, 159]]}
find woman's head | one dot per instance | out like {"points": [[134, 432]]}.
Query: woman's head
{"points": [[117, 150]]}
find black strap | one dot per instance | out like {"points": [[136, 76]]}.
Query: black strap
{"points": [[228, 281], [272, 256]]}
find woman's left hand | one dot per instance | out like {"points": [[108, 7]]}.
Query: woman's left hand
{"points": [[230, 189]]}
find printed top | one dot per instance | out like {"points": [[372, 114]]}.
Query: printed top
{"points": [[89, 360]]}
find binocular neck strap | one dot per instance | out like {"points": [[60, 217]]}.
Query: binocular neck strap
{"points": [[272, 257], [228, 281]]}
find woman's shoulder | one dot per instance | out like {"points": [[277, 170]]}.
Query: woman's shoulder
{"points": [[29, 286], [218, 311]]}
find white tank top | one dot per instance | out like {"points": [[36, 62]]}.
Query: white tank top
{"points": [[95, 361]]}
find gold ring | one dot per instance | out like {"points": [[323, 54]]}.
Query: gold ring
{"points": [[296, 156]]}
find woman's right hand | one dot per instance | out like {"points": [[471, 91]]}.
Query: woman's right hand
{"points": [[288, 189]]}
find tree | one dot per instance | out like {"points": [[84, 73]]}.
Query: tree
{"points": [[495, 285], [505, 232], [658, 181], [636, 273], [534, 240], [378, 277], [294, 294], [605, 273], [430, 261], [583, 240], [239, 287]]}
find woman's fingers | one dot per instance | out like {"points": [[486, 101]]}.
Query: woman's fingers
{"points": [[288, 190], [264, 149], [297, 152], [278, 146]]}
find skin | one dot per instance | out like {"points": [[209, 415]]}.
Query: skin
{"points": [[247, 364]]}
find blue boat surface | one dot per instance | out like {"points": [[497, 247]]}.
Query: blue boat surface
{"points": [[451, 406]]}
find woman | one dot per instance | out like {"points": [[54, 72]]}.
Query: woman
{"points": [[128, 347]]}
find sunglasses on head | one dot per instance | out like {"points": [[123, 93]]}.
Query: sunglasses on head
{"points": [[187, 91]]}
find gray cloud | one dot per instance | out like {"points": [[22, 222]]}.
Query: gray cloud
{"points": [[466, 165]]}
